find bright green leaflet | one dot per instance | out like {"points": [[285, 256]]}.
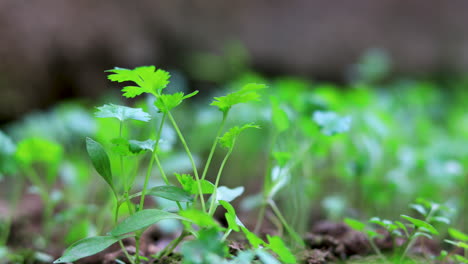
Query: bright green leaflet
{"points": [[166, 102], [147, 78], [122, 113], [420, 223]]}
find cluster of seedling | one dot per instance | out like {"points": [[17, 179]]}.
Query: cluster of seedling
{"points": [[318, 158], [411, 230], [195, 212]]}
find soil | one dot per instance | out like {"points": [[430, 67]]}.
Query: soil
{"points": [[326, 242]]}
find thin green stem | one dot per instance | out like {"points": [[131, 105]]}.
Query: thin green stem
{"points": [[218, 177], [226, 235], [260, 217], [413, 238], [288, 228], [150, 166], [194, 166], [116, 219], [124, 250], [173, 244], [213, 147]]}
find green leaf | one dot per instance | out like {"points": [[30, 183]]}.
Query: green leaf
{"points": [[402, 226], [419, 234], [331, 123], [456, 234], [172, 193], [355, 224], [419, 208], [202, 219], [278, 116], [246, 94], [439, 219], [207, 248], [253, 239], [460, 259], [282, 158], [147, 78], [230, 215], [166, 102], [100, 160], [121, 146], [276, 244], [137, 146], [227, 194], [142, 219], [457, 243], [421, 224], [122, 113], [40, 150], [190, 185], [229, 138], [87, 247]]}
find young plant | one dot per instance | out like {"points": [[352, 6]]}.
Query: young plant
{"points": [[459, 240], [39, 160], [196, 216], [371, 234]]}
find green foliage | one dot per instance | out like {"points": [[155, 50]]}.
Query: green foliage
{"points": [[248, 93], [142, 219], [279, 117], [457, 234], [206, 248], [100, 160], [276, 244], [38, 150], [147, 78], [166, 102], [331, 123], [200, 218], [190, 185], [122, 113], [421, 224], [229, 138], [87, 247]]}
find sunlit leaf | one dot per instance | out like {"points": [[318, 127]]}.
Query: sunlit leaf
{"points": [[278, 116], [122, 113], [246, 94], [277, 245], [190, 185], [166, 102], [228, 194], [355, 224], [229, 138], [457, 234], [40, 150], [421, 224], [147, 78], [200, 218]]}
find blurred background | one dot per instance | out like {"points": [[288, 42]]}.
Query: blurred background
{"points": [[54, 50]]}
